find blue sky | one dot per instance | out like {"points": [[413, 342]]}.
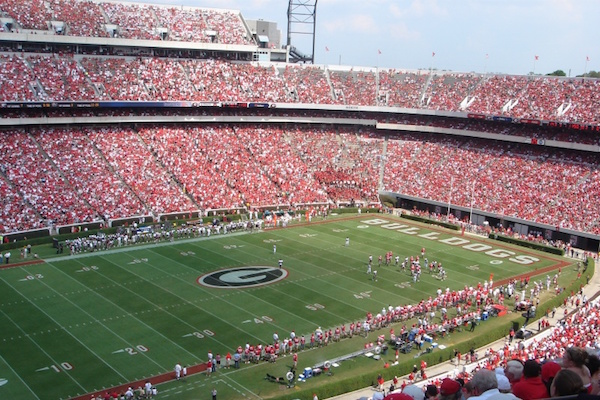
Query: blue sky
{"points": [[562, 33]]}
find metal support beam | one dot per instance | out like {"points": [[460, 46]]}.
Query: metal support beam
{"points": [[302, 20]]}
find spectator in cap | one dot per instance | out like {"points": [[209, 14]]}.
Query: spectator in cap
{"points": [[415, 392], [450, 390], [531, 387], [503, 384], [549, 371], [397, 396], [513, 371]]}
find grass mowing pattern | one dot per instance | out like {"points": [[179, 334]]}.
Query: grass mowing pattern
{"points": [[80, 324]]}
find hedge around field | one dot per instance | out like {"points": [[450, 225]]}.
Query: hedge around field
{"points": [[528, 244], [428, 221]]}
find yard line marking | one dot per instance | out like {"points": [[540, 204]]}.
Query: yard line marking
{"points": [[67, 331], [19, 377], [104, 326], [104, 298], [308, 276], [36, 344], [194, 284], [236, 389], [183, 299], [248, 291]]}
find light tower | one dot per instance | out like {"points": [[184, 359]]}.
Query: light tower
{"points": [[302, 20]]}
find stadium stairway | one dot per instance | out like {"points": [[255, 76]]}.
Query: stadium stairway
{"points": [[449, 369]]}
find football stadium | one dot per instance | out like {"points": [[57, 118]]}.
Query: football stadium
{"points": [[191, 207]]}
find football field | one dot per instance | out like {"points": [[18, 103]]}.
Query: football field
{"points": [[85, 323]]}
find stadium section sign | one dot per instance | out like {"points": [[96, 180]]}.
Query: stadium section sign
{"points": [[454, 241], [242, 277]]}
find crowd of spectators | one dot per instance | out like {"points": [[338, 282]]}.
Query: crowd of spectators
{"points": [[88, 173], [39, 184], [557, 188], [16, 85], [447, 91], [182, 152], [115, 78], [402, 89], [81, 18], [61, 77], [64, 77], [129, 21], [164, 169], [134, 21], [532, 183], [354, 87], [30, 14], [186, 25], [563, 361], [130, 158], [213, 80]]}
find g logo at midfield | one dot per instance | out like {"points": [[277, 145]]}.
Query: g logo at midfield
{"points": [[242, 277]]}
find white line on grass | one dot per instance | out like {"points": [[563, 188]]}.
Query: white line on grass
{"points": [[184, 300], [326, 272], [64, 329], [104, 298], [11, 368], [274, 288], [195, 285], [93, 318]]}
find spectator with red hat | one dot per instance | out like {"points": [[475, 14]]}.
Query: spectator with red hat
{"points": [[531, 387], [397, 396], [549, 371], [450, 389]]}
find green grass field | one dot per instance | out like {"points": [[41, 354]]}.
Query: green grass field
{"points": [[76, 325]]}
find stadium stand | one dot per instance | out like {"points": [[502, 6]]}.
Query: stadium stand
{"points": [[63, 77], [35, 177], [129, 157], [16, 85], [85, 168], [401, 89], [304, 165], [81, 18], [334, 164], [354, 87], [53, 176], [128, 21], [28, 14], [446, 91], [532, 183]]}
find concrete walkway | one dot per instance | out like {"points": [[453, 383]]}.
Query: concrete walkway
{"points": [[448, 368]]}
